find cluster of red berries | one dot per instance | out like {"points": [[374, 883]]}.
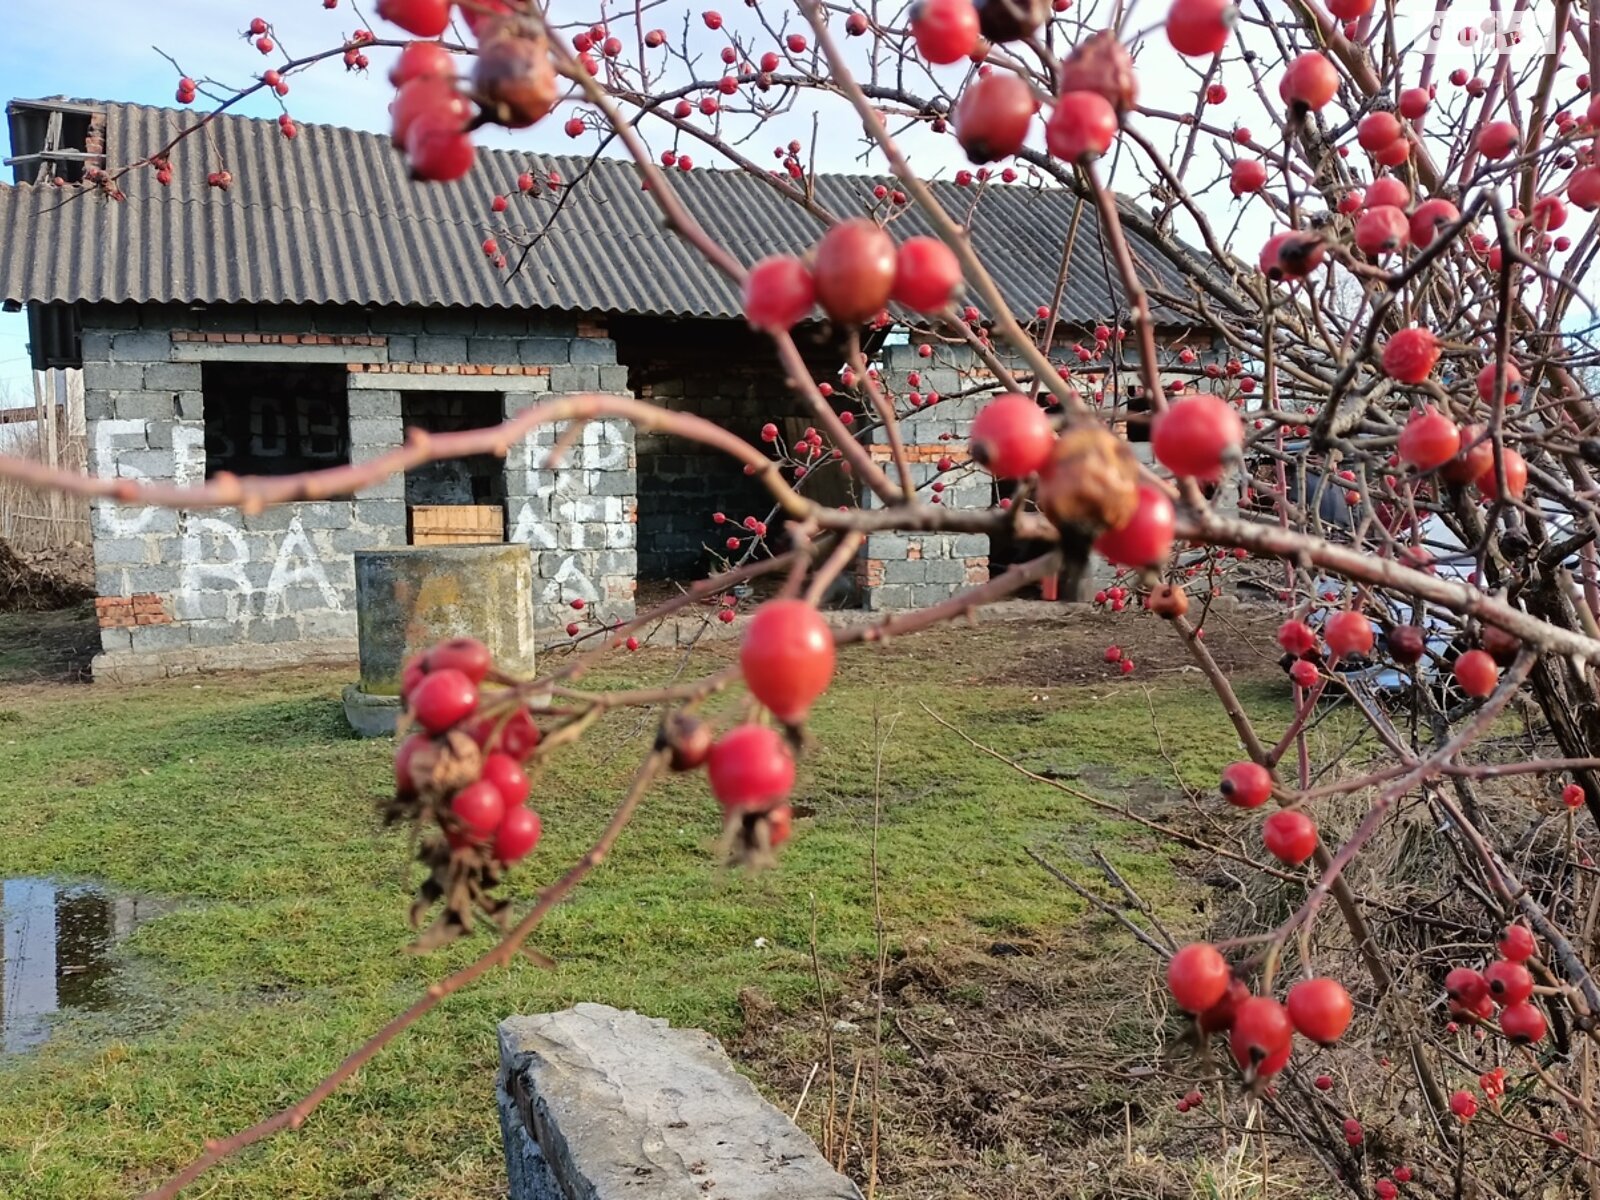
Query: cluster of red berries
{"points": [[1432, 441], [1506, 984], [854, 272], [513, 83], [476, 793], [1260, 1030], [1114, 654]]}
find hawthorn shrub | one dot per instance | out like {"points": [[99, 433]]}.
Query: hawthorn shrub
{"points": [[1389, 239]]}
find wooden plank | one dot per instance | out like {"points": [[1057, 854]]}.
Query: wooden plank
{"points": [[447, 524]]}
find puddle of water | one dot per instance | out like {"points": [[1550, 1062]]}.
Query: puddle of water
{"points": [[59, 953]]}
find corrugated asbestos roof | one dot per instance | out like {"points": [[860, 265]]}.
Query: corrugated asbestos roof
{"points": [[330, 217]]}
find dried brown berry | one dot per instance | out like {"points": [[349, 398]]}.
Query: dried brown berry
{"points": [[1091, 480], [1101, 64]]}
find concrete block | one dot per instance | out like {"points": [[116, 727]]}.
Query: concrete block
{"points": [[455, 321], [172, 377], [149, 638], [113, 377], [392, 488], [602, 1104], [327, 623], [945, 570], [890, 597], [158, 577], [398, 320], [97, 405], [386, 432], [149, 464], [541, 351], [221, 319], [190, 406], [142, 406], [375, 405], [114, 641], [402, 348], [913, 570], [502, 351], [268, 353], [887, 545], [214, 632], [341, 320], [594, 350], [95, 345], [141, 346], [435, 348], [969, 545], [614, 380], [575, 379]]}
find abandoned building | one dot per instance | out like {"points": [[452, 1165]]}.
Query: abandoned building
{"points": [[310, 313]]}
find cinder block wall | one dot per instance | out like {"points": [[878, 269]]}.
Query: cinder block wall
{"points": [[911, 570], [187, 590]]}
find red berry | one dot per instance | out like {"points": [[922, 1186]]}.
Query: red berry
{"points": [[1583, 188], [1377, 129], [1516, 476], [422, 60], [1516, 941], [1410, 354], [1012, 436], [1304, 674], [1430, 217], [1405, 644], [1289, 836], [1382, 229], [1219, 1017], [1476, 456], [1246, 784], [1414, 102], [1246, 176], [713, 19], [442, 699], [1082, 125], [1309, 81], [1572, 795], [945, 31], [1402, 1174], [778, 293], [480, 807], [1523, 1023], [1197, 436], [1147, 538], [1291, 255], [1197, 977], [1262, 1036], [1430, 439], [467, 655], [1349, 635], [437, 148], [1486, 384], [1465, 987], [1323, 1083], [856, 24], [854, 269], [926, 274], [508, 777], [1463, 1105], [424, 18], [518, 834], [787, 657], [993, 116], [1320, 1009], [1199, 28], [750, 768], [1297, 638], [1498, 139], [1476, 673], [1509, 982]]}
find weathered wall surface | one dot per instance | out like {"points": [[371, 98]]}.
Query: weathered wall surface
{"points": [[221, 588]]}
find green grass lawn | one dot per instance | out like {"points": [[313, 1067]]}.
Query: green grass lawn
{"points": [[248, 801]]}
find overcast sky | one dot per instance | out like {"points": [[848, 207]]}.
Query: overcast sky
{"points": [[106, 49]]}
